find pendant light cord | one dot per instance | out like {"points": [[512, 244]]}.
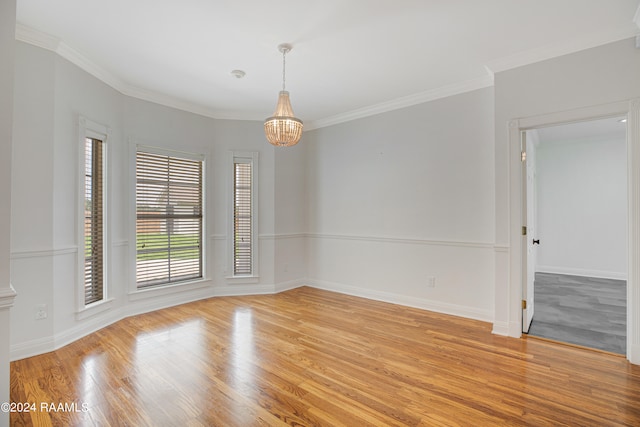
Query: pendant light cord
{"points": [[284, 55]]}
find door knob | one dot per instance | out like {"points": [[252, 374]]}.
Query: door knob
{"points": [[536, 241]]}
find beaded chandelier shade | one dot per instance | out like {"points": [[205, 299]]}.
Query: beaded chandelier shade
{"points": [[283, 129]]}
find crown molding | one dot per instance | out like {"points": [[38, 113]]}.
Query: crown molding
{"points": [[559, 49], [32, 36], [167, 101], [190, 107], [405, 101], [84, 63], [38, 38]]}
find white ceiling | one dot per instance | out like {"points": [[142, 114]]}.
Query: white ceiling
{"points": [[351, 58]]}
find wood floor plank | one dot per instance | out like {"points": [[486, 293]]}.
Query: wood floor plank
{"points": [[308, 357]]}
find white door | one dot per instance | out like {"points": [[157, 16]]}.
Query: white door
{"points": [[529, 221]]}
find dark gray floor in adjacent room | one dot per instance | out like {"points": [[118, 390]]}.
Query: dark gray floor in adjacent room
{"points": [[586, 311]]}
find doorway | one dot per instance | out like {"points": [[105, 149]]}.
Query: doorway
{"points": [[575, 242]]}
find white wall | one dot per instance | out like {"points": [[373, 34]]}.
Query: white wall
{"points": [[582, 207], [403, 196], [243, 136], [373, 207], [32, 250], [77, 93], [553, 88], [7, 35], [290, 214], [50, 96]]}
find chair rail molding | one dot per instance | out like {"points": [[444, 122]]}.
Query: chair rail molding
{"points": [[7, 296]]}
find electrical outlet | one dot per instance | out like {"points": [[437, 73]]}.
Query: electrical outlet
{"points": [[286, 267], [41, 311], [431, 282]]}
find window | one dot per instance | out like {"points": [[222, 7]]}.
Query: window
{"points": [[242, 237], [169, 213], [94, 171], [244, 209], [92, 283]]}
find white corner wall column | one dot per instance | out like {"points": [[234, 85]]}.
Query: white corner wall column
{"points": [[508, 249], [633, 273], [501, 311], [7, 294]]}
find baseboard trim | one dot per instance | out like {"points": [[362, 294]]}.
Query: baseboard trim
{"points": [[133, 308], [31, 348], [249, 289], [408, 301], [581, 272], [500, 328], [242, 290], [287, 286], [507, 329], [101, 320], [87, 327], [634, 354]]}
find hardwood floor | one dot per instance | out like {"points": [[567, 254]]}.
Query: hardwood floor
{"points": [[311, 357]]}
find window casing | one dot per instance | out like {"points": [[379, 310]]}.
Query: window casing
{"points": [[92, 219], [244, 247], [94, 174], [169, 218]]}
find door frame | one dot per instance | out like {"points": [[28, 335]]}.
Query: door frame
{"points": [[529, 207], [629, 109]]}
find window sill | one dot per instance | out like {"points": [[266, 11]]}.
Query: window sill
{"points": [[140, 294], [94, 308]]}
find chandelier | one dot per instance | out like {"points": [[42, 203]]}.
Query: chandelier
{"points": [[283, 129]]}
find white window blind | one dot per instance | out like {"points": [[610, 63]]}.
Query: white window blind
{"points": [[242, 219], [93, 220], [168, 219]]}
